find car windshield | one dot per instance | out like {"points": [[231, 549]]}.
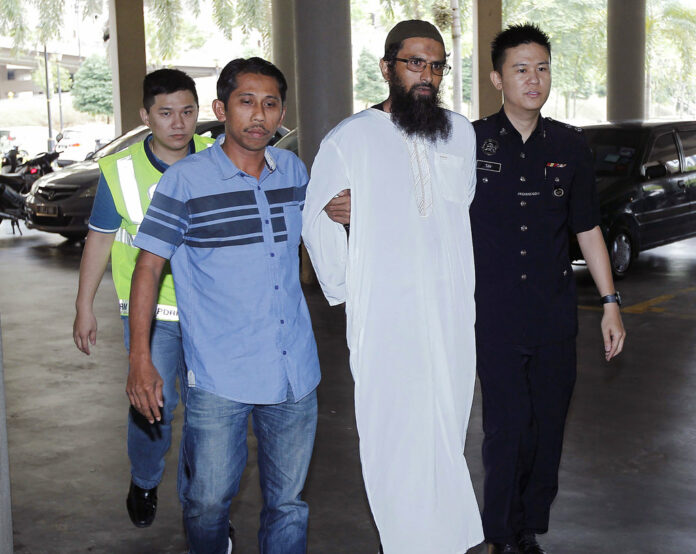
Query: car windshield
{"points": [[614, 150], [121, 142]]}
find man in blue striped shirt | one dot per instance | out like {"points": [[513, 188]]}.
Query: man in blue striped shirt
{"points": [[229, 221]]}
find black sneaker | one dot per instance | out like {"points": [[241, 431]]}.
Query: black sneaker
{"points": [[142, 505]]}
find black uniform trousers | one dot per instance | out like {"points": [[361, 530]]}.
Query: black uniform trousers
{"points": [[526, 392]]}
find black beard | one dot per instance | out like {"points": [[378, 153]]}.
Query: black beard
{"points": [[415, 115]]}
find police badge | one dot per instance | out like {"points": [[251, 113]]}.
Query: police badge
{"points": [[489, 146]]}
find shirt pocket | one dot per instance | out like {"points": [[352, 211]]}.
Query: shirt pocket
{"points": [[452, 176], [557, 187]]}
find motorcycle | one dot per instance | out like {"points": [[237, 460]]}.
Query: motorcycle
{"points": [[12, 159], [15, 186]]}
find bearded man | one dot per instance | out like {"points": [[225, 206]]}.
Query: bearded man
{"points": [[403, 171]]}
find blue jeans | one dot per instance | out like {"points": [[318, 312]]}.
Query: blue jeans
{"points": [[149, 442], [215, 454]]}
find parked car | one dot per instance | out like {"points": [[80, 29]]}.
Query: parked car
{"points": [[74, 146], [289, 142], [646, 182], [62, 202]]}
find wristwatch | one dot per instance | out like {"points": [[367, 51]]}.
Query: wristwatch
{"points": [[610, 298]]}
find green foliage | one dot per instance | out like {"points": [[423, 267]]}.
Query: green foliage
{"points": [[169, 29], [92, 8], [163, 24], [12, 21], [578, 41], [223, 15], [39, 75], [397, 10], [92, 90], [579, 47], [169, 23], [442, 15], [369, 85], [467, 77], [50, 13], [162, 47], [255, 15], [670, 54]]}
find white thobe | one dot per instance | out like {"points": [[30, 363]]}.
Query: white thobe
{"points": [[408, 283]]}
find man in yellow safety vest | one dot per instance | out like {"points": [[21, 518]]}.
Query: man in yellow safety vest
{"points": [[127, 182]]}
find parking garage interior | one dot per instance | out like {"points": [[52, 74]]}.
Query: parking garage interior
{"points": [[626, 484]]}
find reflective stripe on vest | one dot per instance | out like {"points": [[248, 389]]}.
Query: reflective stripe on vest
{"points": [[164, 312], [129, 189], [125, 237]]}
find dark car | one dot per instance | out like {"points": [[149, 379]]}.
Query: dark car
{"points": [[289, 142], [646, 182], [61, 202]]}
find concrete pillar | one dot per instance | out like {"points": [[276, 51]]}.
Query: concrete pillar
{"points": [[625, 59], [127, 60], [324, 70], [488, 22], [283, 36], [5, 500], [324, 77]]}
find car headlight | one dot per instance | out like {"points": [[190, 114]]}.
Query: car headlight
{"points": [[89, 192]]}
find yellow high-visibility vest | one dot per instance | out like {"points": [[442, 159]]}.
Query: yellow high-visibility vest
{"points": [[132, 180]]}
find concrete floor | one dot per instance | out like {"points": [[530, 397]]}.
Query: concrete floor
{"points": [[627, 480]]}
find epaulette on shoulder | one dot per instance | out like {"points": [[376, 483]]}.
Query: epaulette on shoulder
{"points": [[562, 124]]}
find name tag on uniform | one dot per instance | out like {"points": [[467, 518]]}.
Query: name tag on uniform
{"points": [[488, 166]]}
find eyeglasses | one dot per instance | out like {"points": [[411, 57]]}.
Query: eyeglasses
{"points": [[418, 65]]}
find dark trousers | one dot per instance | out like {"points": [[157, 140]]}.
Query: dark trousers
{"points": [[526, 392]]}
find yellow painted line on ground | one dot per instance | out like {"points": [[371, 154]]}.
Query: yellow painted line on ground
{"points": [[646, 306]]}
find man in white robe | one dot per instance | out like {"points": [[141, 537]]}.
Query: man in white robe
{"points": [[406, 168]]}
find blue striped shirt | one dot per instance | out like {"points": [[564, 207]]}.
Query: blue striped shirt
{"points": [[233, 244]]}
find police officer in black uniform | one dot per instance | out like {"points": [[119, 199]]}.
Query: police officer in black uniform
{"points": [[535, 182]]}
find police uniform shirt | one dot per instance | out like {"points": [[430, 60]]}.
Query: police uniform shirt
{"points": [[528, 196]]}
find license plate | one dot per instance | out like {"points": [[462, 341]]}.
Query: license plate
{"points": [[46, 211]]}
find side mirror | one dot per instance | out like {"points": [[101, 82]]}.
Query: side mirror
{"points": [[59, 137], [655, 171]]}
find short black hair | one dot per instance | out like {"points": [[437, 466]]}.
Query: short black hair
{"points": [[514, 35], [227, 82], [166, 81]]}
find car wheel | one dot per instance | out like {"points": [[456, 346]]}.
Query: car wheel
{"points": [[74, 237], [620, 252]]}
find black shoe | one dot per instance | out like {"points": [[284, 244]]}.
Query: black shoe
{"points": [[142, 505], [498, 548], [528, 544]]}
